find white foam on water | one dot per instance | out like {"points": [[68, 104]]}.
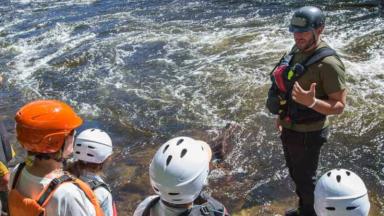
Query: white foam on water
{"points": [[227, 58], [54, 2], [25, 65]]}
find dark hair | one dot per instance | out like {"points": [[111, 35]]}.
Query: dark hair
{"points": [[57, 156], [77, 167]]}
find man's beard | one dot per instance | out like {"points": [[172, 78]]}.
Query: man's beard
{"points": [[310, 43]]}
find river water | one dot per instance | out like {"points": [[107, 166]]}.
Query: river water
{"points": [[146, 71]]}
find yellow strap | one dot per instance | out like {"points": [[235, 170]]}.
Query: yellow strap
{"points": [[3, 169]]}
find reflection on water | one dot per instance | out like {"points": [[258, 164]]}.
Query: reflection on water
{"points": [[147, 70]]}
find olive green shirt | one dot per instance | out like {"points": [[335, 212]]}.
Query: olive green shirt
{"points": [[328, 74]]}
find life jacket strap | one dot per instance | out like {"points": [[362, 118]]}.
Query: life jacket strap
{"points": [[52, 187], [17, 174], [94, 184], [318, 55], [152, 203]]}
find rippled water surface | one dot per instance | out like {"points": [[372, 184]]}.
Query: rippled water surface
{"points": [[149, 70]]}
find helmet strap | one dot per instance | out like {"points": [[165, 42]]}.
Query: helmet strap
{"points": [[315, 37], [58, 156], [186, 205]]}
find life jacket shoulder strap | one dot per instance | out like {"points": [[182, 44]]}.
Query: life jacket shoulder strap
{"points": [[318, 55], [285, 55], [17, 174], [53, 185], [208, 206], [212, 206], [94, 184], [90, 195], [152, 203]]}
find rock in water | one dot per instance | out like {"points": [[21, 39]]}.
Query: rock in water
{"points": [[223, 143]]}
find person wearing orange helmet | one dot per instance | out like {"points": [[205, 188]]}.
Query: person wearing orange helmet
{"points": [[46, 130]]}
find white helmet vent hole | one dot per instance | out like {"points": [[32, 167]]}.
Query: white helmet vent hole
{"points": [[348, 173], [179, 141], [78, 144], [77, 152], [350, 208], [338, 178], [169, 159], [90, 155], [157, 190], [183, 153], [93, 129], [91, 147], [165, 149], [329, 174], [173, 194], [331, 208]]}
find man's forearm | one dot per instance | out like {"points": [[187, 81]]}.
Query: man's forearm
{"points": [[329, 107]]}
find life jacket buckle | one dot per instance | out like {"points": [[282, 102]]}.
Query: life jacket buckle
{"points": [[204, 210]]}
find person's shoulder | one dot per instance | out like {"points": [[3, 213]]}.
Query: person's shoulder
{"points": [[68, 190], [211, 200], [332, 60], [102, 193], [329, 60], [147, 200], [143, 205], [69, 199]]}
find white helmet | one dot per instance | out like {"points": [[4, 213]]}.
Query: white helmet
{"points": [[341, 192], [179, 169], [92, 145]]}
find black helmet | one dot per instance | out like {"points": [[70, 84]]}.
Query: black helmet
{"points": [[306, 19]]}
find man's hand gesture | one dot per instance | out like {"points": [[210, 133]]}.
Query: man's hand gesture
{"points": [[306, 98]]}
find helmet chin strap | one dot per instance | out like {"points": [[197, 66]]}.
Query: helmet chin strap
{"points": [[59, 157], [314, 41]]}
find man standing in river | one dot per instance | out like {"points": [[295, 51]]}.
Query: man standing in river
{"points": [[307, 85]]}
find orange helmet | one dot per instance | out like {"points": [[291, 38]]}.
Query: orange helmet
{"points": [[43, 125]]}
